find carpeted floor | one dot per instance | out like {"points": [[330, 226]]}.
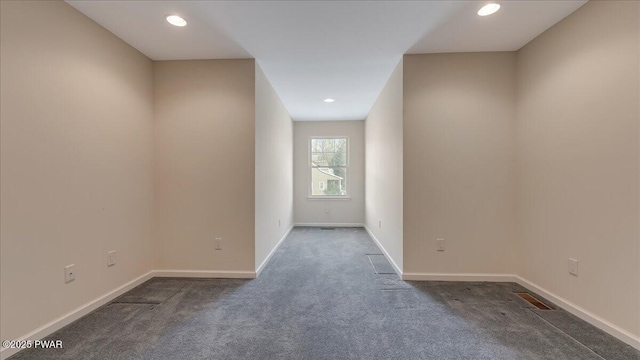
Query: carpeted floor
{"points": [[326, 295]]}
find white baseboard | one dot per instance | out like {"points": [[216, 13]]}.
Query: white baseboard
{"points": [[76, 314], [459, 277], [205, 274], [83, 310], [384, 251], [273, 251], [583, 314], [330, 224]]}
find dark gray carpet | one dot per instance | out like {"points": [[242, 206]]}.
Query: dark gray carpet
{"points": [[381, 265], [152, 292], [597, 340], [320, 299]]}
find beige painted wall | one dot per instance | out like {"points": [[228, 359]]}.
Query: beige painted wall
{"points": [[205, 164], [274, 169], [76, 162], [579, 160], [313, 211], [383, 170], [459, 180]]}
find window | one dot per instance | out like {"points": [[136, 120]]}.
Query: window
{"points": [[329, 165]]}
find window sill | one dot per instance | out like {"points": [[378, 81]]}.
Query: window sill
{"points": [[329, 198]]}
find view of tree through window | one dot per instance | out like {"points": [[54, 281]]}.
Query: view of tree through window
{"points": [[329, 164]]}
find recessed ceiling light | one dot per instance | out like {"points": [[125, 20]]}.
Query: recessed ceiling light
{"points": [[176, 20], [329, 100], [489, 9]]}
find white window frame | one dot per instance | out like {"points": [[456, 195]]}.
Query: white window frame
{"points": [[310, 195]]}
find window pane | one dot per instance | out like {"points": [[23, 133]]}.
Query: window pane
{"points": [[328, 145], [338, 158], [316, 159], [328, 162], [329, 181], [316, 146]]}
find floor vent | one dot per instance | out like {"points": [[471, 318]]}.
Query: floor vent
{"points": [[327, 228], [533, 301]]}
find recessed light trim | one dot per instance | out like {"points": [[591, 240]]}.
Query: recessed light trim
{"points": [[176, 20], [329, 100], [489, 9]]}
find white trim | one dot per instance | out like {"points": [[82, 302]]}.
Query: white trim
{"points": [[273, 251], [76, 314], [583, 314], [329, 224], [384, 251], [206, 274], [310, 195], [459, 277], [329, 197]]}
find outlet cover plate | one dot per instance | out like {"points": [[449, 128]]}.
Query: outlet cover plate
{"points": [[111, 258], [573, 267], [69, 273]]}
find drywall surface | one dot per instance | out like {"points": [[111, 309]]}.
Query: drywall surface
{"points": [[76, 162], [459, 118], [383, 170], [205, 164], [579, 160], [274, 169], [313, 211]]}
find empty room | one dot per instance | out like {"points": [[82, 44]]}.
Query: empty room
{"points": [[320, 179]]}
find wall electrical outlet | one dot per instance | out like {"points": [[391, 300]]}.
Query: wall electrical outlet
{"points": [[440, 244], [217, 242], [111, 258], [279, 222], [380, 224], [573, 267], [69, 273]]}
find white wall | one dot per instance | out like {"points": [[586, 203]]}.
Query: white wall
{"points": [[459, 132], [313, 211], [274, 169], [76, 162], [383, 170], [579, 160], [205, 164]]}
